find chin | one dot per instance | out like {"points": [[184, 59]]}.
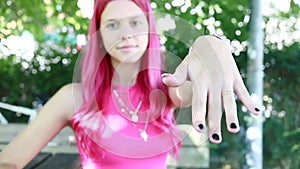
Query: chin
{"points": [[133, 58]]}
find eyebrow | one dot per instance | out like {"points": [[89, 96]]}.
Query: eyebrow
{"points": [[117, 19]]}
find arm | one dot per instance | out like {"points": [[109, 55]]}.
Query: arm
{"points": [[54, 116], [7, 166]]}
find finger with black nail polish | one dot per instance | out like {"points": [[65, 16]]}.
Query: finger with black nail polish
{"points": [[216, 137], [233, 126], [201, 126]]}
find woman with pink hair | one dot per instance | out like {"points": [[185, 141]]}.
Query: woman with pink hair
{"points": [[122, 109]]}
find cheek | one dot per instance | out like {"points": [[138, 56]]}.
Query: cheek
{"points": [[143, 41], [109, 40]]}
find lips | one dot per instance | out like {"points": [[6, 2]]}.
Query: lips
{"points": [[127, 47]]}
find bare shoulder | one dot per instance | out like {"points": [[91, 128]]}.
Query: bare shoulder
{"points": [[71, 95], [72, 90]]}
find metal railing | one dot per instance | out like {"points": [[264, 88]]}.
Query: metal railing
{"points": [[17, 109]]}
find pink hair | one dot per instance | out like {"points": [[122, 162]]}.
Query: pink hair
{"points": [[97, 71]]}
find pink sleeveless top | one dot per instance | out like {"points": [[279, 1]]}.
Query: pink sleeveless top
{"points": [[109, 139]]}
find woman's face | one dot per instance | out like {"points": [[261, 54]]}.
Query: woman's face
{"points": [[124, 31]]}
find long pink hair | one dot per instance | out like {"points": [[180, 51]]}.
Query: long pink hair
{"points": [[97, 71]]}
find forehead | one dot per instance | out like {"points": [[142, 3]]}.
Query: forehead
{"points": [[118, 9]]}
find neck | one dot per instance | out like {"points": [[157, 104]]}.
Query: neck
{"points": [[125, 73]]}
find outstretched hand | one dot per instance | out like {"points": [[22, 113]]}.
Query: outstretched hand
{"points": [[215, 80]]}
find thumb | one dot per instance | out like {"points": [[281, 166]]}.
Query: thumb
{"points": [[177, 78]]}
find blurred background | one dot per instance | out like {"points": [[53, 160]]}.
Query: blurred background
{"points": [[40, 42]]}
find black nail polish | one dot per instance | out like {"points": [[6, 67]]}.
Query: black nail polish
{"points": [[256, 109], [233, 126], [215, 137], [201, 126]]}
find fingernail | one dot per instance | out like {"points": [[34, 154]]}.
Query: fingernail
{"points": [[201, 126], [164, 75], [256, 109], [217, 36], [163, 80], [233, 126], [215, 136]]}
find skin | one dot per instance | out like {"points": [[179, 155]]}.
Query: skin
{"points": [[125, 38], [7, 166], [124, 34], [126, 48], [215, 80]]}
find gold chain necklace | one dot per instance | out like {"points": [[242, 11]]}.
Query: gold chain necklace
{"points": [[124, 109], [134, 115]]}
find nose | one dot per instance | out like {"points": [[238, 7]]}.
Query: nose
{"points": [[127, 32], [126, 36]]}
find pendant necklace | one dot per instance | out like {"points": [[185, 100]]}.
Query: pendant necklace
{"points": [[134, 115], [124, 109]]}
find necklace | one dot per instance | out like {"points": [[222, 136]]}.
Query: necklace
{"points": [[124, 109], [134, 115]]}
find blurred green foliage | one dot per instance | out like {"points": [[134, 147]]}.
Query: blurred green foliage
{"points": [[55, 24]]}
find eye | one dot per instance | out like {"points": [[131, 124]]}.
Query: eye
{"points": [[135, 23], [112, 25]]}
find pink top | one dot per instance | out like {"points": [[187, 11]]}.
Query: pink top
{"points": [[109, 139]]}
